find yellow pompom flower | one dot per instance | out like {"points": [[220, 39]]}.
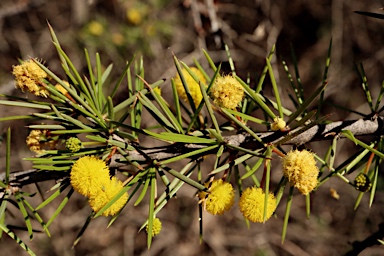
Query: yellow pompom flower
{"points": [[96, 28], [278, 124], [29, 76], [108, 192], [227, 92], [220, 197], [193, 86], [134, 16], [156, 227], [89, 176], [301, 170], [117, 39], [251, 204]]}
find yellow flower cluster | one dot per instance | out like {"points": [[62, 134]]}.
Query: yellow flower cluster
{"points": [[362, 182], [38, 139], [227, 92], [251, 204], [278, 124], [157, 90], [108, 192], [301, 170], [90, 177], [96, 28], [134, 16], [193, 86], [156, 227], [29, 76], [220, 197]]}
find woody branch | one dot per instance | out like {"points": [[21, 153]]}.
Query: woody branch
{"points": [[360, 127]]}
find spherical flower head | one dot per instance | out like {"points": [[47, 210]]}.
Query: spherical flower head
{"points": [[301, 170], [117, 39], [251, 204], [193, 86], [89, 175], [109, 191], [156, 227], [73, 144], [220, 197], [278, 124], [95, 28], [227, 92], [134, 16], [29, 76], [362, 182]]}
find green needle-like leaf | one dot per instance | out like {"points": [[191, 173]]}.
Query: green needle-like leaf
{"points": [[177, 102], [53, 196], [230, 60], [24, 104], [242, 125], [286, 216], [253, 170], [17, 239], [358, 200], [265, 70], [380, 97], [201, 69], [374, 182], [37, 216], [152, 198], [205, 100], [255, 97], [164, 107], [210, 111], [267, 180], [275, 89], [246, 117], [156, 113], [364, 85], [60, 208], [184, 83], [306, 103], [24, 212], [308, 205], [350, 136], [3, 206], [8, 156], [144, 190], [56, 41], [80, 234], [210, 61], [233, 163], [185, 179]]}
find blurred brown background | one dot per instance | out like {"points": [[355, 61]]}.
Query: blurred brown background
{"points": [[158, 28]]}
